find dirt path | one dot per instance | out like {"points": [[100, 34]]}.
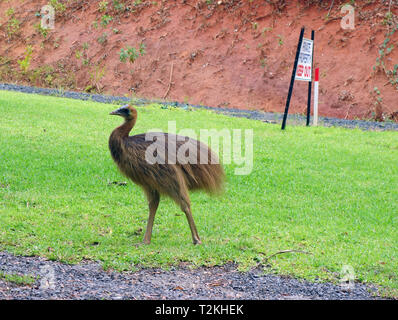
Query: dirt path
{"points": [[89, 281]]}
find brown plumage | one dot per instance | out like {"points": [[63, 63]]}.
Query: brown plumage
{"points": [[170, 178]]}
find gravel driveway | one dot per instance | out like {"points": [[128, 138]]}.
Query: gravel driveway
{"points": [[89, 281]]}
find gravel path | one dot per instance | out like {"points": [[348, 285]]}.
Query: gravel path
{"points": [[88, 281], [269, 117]]}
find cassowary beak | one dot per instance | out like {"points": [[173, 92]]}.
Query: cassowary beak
{"points": [[119, 112]]}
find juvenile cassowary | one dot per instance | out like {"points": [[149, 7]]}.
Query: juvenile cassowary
{"points": [[171, 178]]}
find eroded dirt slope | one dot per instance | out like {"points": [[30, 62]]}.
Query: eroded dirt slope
{"points": [[219, 53]]}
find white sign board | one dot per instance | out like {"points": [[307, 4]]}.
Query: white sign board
{"points": [[304, 64]]}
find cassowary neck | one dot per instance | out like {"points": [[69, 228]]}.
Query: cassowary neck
{"points": [[116, 138], [124, 130]]}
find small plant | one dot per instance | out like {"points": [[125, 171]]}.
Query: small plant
{"points": [[78, 54], [118, 6], [25, 63], [125, 54], [5, 68], [13, 24], [105, 20], [43, 74], [95, 78], [41, 30], [131, 53], [384, 50], [95, 24], [49, 80], [58, 6], [377, 114], [103, 6], [395, 70], [103, 39], [10, 12], [142, 49], [13, 27], [82, 53], [56, 43], [266, 29], [263, 62], [388, 18], [394, 75], [280, 40]]}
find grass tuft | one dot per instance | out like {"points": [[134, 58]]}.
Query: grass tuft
{"points": [[20, 280]]}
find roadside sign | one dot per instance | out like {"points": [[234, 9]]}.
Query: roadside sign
{"points": [[302, 70], [304, 65]]}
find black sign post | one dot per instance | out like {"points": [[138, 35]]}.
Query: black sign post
{"points": [[289, 95], [310, 83]]}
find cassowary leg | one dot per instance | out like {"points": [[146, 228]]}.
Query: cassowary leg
{"points": [[195, 235], [153, 203], [186, 208]]}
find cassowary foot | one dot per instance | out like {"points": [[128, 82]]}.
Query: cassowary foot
{"points": [[146, 241], [139, 244]]}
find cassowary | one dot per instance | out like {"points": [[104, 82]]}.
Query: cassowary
{"points": [[172, 177]]}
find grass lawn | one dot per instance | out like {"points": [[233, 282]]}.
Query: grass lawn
{"points": [[331, 192]]}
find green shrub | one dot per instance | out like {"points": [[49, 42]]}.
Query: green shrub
{"points": [[25, 63], [58, 6], [103, 6], [41, 30], [105, 20], [118, 6], [103, 39], [131, 53], [13, 24]]}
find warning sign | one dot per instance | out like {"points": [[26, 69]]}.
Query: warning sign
{"points": [[304, 64]]}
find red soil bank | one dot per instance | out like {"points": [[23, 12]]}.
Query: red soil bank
{"points": [[224, 53]]}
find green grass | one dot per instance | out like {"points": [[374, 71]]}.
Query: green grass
{"points": [[20, 280], [328, 191]]}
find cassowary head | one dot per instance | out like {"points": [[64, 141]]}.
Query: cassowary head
{"points": [[127, 112]]}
